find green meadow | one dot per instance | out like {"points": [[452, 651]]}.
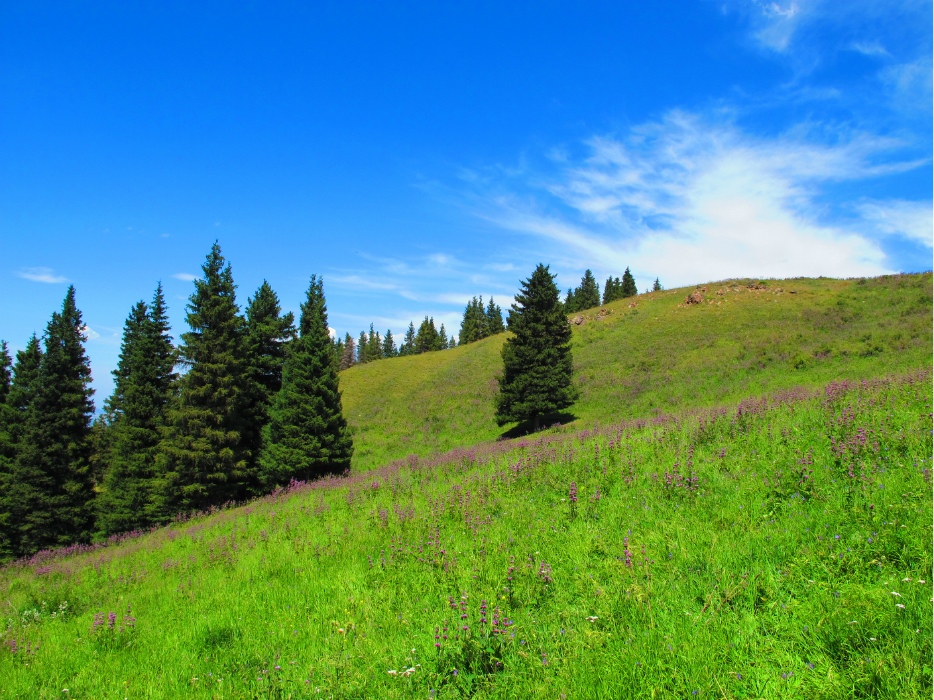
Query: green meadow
{"points": [[657, 357], [739, 506]]}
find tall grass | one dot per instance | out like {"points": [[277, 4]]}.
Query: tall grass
{"points": [[658, 356], [775, 547]]}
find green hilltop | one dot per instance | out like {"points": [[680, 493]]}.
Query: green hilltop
{"points": [[653, 354]]}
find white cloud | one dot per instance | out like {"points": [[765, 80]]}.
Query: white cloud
{"points": [[358, 281], [185, 277], [41, 274], [913, 220], [693, 200], [88, 333]]}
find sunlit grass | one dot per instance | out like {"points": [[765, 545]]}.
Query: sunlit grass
{"points": [[798, 565], [655, 357]]}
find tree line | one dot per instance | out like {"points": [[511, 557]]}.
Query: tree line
{"points": [[478, 323], [246, 402], [587, 294]]}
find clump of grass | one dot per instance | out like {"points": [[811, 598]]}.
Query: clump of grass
{"points": [[648, 354], [776, 547]]}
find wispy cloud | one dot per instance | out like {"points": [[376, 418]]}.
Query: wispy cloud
{"points": [[692, 199], [185, 277], [912, 220], [41, 274]]}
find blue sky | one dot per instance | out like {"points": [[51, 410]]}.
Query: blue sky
{"points": [[418, 154]]}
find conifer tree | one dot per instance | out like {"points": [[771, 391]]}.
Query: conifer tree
{"points": [[408, 341], [307, 435], [204, 459], [389, 345], [537, 366], [657, 287], [452, 342], [570, 303], [6, 371], [268, 333], [588, 295], [363, 346], [51, 495], [427, 339], [349, 358], [629, 285], [7, 449], [442, 338], [374, 345], [613, 290], [24, 385], [144, 384], [494, 319]]}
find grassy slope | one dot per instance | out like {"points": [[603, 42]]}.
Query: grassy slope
{"points": [[799, 568], [655, 357]]}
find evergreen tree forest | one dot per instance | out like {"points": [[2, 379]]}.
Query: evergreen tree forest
{"points": [[243, 404], [480, 322]]}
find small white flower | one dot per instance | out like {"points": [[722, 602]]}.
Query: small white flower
{"points": [[898, 594], [899, 605], [393, 673], [904, 580], [872, 639]]}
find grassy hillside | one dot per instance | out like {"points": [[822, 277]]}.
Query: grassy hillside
{"points": [[778, 548], [656, 357]]}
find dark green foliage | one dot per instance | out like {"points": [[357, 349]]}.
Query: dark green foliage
{"points": [[363, 345], [6, 371], [657, 287], [337, 353], [585, 296], [408, 341], [203, 459], [427, 338], [268, 333], [474, 323], [389, 345], [479, 323], [374, 346], [307, 435], [13, 414], [494, 319], [7, 450], [50, 491], [612, 290], [442, 338], [349, 357], [144, 383], [537, 366], [629, 285]]}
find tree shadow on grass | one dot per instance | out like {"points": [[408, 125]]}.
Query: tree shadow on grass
{"points": [[544, 423]]}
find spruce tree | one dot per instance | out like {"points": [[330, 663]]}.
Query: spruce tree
{"points": [[144, 384], [537, 365], [408, 341], [442, 338], [349, 358], [427, 339], [363, 347], [570, 303], [268, 333], [588, 294], [307, 435], [51, 494], [389, 345], [629, 285], [657, 287], [494, 319], [7, 449], [374, 345], [203, 459]]}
